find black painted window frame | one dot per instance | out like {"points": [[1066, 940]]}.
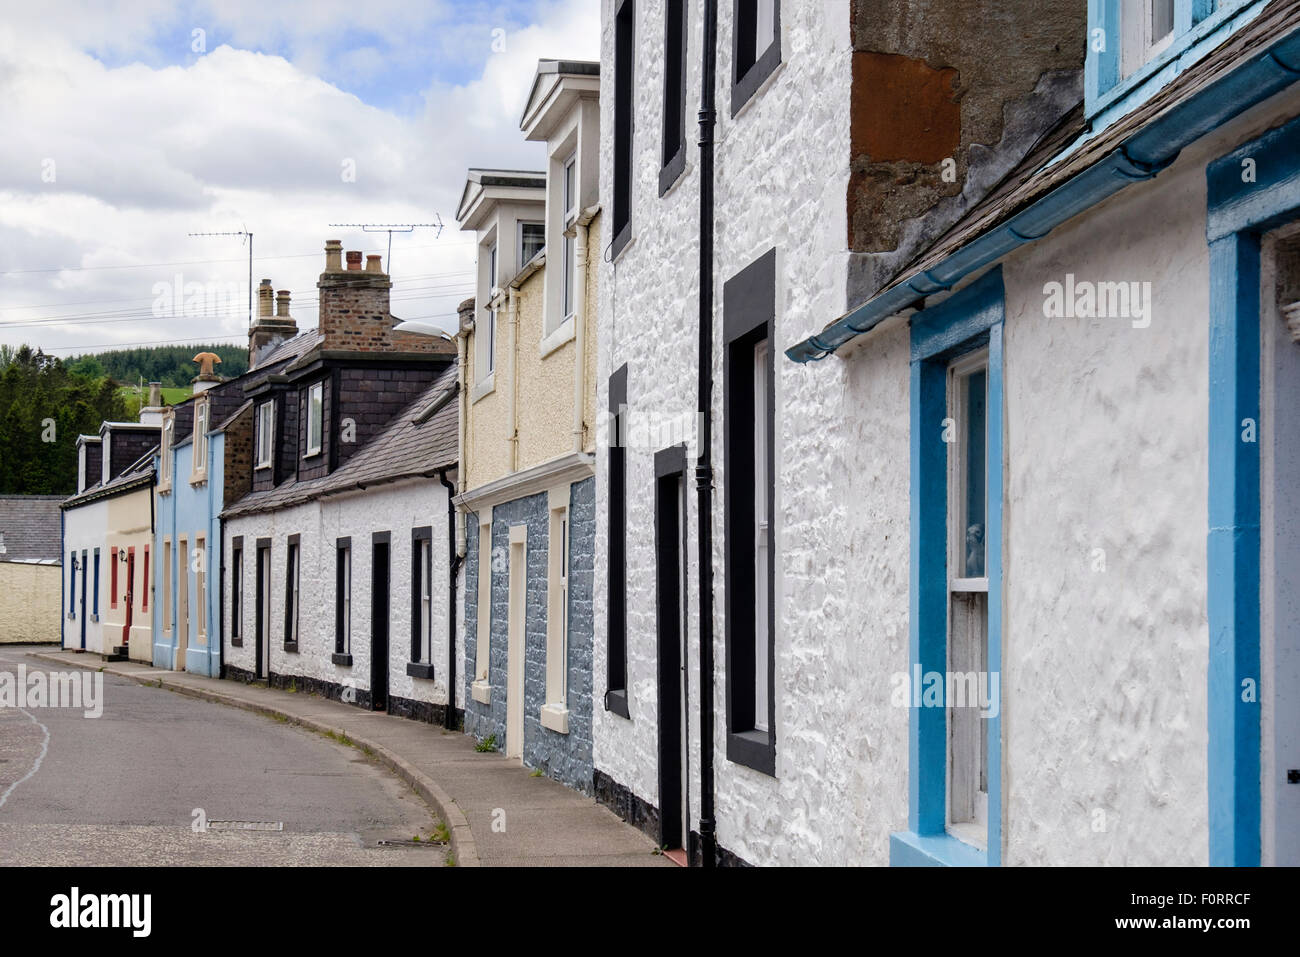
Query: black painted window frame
{"points": [[342, 588], [748, 70], [420, 570], [616, 691], [292, 596], [674, 126], [624, 121], [749, 317], [237, 591]]}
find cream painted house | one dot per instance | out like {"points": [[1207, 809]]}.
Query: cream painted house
{"points": [[528, 418]]}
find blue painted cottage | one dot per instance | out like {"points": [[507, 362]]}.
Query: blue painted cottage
{"points": [[203, 464]]}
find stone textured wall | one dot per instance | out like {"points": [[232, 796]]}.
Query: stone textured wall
{"points": [[29, 602], [565, 757], [939, 80], [238, 469]]}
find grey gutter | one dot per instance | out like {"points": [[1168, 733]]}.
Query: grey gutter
{"points": [[1139, 157]]}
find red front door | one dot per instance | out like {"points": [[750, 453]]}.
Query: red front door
{"points": [[130, 595]]}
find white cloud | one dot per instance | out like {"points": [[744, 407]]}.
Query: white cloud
{"points": [[237, 139]]}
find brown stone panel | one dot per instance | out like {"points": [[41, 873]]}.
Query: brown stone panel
{"points": [[903, 109]]}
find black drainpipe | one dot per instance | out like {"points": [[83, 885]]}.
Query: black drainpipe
{"points": [[704, 464], [453, 566]]}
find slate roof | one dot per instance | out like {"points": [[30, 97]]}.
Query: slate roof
{"points": [[140, 472], [415, 443], [1067, 150], [31, 527]]}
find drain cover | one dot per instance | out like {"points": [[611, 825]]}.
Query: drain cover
{"points": [[245, 825]]}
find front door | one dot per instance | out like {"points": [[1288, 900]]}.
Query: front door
{"points": [[379, 600], [84, 576], [670, 581], [262, 658], [130, 596]]}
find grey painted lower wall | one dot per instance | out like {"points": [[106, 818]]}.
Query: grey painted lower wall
{"points": [[564, 757]]}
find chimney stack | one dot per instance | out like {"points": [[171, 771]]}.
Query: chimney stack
{"points": [[272, 325], [152, 413], [264, 298], [333, 255]]}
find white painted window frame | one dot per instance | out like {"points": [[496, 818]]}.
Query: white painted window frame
{"points": [[265, 434], [199, 447], [964, 764], [1138, 46], [347, 599], [315, 419], [201, 588], [165, 450], [762, 557]]}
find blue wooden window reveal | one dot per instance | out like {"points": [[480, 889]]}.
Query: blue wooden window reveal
{"points": [[955, 745], [1131, 41], [1241, 209]]}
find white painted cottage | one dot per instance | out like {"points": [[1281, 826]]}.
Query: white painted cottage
{"points": [[988, 460]]}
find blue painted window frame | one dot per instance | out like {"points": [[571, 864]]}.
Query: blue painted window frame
{"points": [[1239, 213], [970, 319], [1194, 20]]}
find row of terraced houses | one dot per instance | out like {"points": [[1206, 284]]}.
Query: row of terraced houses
{"points": [[866, 444]]}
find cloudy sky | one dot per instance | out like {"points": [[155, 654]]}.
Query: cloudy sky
{"points": [[127, 126]]}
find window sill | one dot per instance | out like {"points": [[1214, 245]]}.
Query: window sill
{"points": [[622, 243], [311, 455], [481, 692], [262, 467], [909, 849], [483, 388], [564, 333], [344, 661], [555, 717], [291, 646], [753, 749], [748, 88], [415, 669], [198, 479], [616, 701], [236, 642], [672, 171]]}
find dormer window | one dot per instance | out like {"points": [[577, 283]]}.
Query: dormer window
{"points": [[315, 418], [165, 449], [199, 465], [265, 434], [532, 240]]}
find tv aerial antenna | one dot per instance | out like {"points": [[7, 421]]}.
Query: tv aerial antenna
{"points": [[249, 236], [391, 228]]}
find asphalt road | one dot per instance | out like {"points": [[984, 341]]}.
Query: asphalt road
{"points": [[124, 788]]}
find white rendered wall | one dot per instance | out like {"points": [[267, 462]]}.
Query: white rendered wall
{"points": [[395, 508]]}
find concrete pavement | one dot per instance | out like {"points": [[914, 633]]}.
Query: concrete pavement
{"points": [[496, 812]]}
